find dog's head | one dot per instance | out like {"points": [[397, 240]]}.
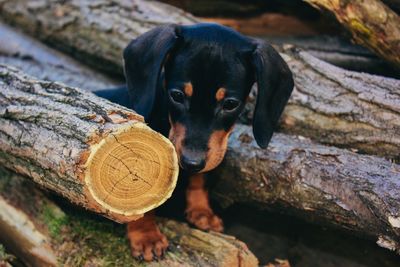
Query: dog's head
{"points": [[196, 79]]}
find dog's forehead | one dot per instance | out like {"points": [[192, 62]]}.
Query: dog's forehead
{"points": [[208, 68]]}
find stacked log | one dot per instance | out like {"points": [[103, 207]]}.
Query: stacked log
{"points": [[95, 153], [371, 23], [319, 183]]}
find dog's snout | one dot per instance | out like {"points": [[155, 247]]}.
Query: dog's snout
{"points": [[192, 164]]}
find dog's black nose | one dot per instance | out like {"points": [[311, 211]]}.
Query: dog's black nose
{"points": [[192, 165]]}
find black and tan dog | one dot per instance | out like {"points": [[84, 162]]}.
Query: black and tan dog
{"points": [[191, 83]]}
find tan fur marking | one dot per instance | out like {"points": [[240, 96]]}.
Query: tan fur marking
{"points": [[220, 94], [217, 145], [188, 89], [176, 136]]}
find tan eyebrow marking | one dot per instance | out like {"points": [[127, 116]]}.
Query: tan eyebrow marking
{"points": [[220, 94], [188, 89]]}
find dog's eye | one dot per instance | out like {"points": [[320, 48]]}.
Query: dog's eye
{"points": [[230, 104], [177, 96]]}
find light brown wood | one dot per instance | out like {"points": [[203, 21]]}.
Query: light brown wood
{"points": [[96, 153], [40, 233]]}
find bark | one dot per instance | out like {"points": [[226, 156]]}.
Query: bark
{"points": [[337, 51], [93, 32], [341, 108], [42, 233], [328, 185], [371, 23], [36, 59], [80, 145]]}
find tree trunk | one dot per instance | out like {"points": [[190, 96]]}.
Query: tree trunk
{"points": [[93, 32], [80, 146], [40, 233], [359, 193], [371, 23], [341, 108], [38, 60]]}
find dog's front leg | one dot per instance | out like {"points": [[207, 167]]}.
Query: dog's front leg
{"points": [[147, 242], [198, 210]]}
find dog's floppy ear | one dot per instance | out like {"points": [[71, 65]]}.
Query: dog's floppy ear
{"points": [[143, 61], [275, 84]]}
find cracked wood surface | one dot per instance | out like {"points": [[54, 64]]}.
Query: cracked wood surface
{"points": [[75, 143], [336, 187], [42, 232]]}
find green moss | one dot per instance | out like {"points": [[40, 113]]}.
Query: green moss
{"points": [[99, 240], [357, 26], [4, 256], [55, 220]]}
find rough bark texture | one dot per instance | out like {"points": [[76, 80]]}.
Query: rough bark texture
{"points": [[342, 108], [36, 59], [319, 183], [371, 23], [338, 51], [93, 32], [40, 233], [53, 134]]}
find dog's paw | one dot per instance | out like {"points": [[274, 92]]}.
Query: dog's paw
{"points": [[148, 246], [204, 219]]}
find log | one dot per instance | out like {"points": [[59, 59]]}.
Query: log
{"points": [[38, 60], [341, 108], [365, 128], [93, 32], [95, 153], [52, 234], [371, 23], [321, 184], [338, 51]]}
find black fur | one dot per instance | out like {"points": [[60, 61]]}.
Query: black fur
{"points": [[209, 56]]}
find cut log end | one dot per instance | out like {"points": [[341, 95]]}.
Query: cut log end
{"points": [[131, 171]]}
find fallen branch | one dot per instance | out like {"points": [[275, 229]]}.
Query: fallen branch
{"points": [[371, 23], [318, 183], [40, 233], [80, 146]]}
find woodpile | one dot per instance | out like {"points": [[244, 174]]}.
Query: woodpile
{"points": [[64, 138]]}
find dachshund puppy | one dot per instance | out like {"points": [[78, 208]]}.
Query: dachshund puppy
{"points": [[191, 83]]}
